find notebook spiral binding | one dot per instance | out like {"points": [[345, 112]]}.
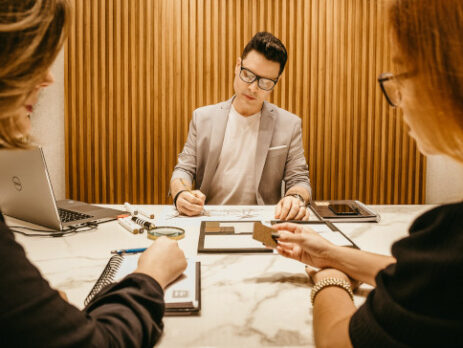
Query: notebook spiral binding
{"points": [[106, 277]]}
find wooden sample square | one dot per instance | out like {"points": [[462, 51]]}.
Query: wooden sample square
{"points": [[263, 234]]}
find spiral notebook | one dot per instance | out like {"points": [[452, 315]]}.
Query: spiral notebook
{"points": [[182, 297]]}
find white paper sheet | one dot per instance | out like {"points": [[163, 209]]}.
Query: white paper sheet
{"points": [[232, 242], [239, 227], [182, 290], [228, 213]]}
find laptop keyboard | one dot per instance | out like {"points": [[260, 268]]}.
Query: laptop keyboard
{"points": [[69, 215]]}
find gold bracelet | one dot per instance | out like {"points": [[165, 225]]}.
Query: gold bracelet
{"points": [[341, 283]]}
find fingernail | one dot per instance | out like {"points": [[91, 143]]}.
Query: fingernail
{"points": [[275, 235]]}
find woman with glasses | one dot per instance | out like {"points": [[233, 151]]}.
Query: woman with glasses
{"points": [[418, 295], [125, 314]]}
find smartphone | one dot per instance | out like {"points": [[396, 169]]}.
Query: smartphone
{"points": [[343, 209]]}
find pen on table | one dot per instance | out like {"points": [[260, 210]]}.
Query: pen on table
{"points": [[128, 251], [148, 225], [130, 226], [130, 209]]}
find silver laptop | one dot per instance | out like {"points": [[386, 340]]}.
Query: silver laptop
{"points": [[26, 193]]}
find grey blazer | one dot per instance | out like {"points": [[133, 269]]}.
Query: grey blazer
{"points": [[279, 153]]}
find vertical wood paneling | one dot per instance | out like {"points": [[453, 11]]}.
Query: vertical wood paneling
{"points": [[136, 69]]}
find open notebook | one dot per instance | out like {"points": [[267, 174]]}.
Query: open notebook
{"points": [[182, 297]]}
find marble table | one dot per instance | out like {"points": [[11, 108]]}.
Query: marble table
{"points": [[248, 300]]}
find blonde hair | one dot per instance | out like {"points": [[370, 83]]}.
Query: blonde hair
{"points": [[429, 37], [32, 33]]}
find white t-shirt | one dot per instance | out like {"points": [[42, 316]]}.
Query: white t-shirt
{"points": [[234, 180]]}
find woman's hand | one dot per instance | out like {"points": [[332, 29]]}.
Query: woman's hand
{"points": [[303, 244], [63, 295], [163, 261]]}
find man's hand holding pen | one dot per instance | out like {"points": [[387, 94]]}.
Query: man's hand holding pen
{"points": [[189, 202]]}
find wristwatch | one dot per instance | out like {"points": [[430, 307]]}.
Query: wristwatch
{"points": [[297, 196]]}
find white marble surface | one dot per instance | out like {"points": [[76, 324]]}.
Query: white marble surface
{"points": [[247, 300]]}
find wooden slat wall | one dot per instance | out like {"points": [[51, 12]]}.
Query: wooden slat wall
{"points": [[136, 69]]}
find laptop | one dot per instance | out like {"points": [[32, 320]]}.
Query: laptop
{"points": [[26, 193]]}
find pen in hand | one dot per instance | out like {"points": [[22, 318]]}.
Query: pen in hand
{"points": [[192, 192], [185, 186]]}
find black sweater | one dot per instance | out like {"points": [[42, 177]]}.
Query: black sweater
{"points": [[418, 302], [126, 314]]}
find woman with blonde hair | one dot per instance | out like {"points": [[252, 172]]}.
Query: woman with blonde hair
{"points": [[418, 295], [126, 314]]}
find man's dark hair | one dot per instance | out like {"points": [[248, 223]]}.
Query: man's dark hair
{"points": [[269, 46]]}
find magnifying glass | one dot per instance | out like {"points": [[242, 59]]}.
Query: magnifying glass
{"points": [[166, 231]]}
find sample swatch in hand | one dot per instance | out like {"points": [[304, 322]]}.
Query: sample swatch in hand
{"points": [[263, 234]]}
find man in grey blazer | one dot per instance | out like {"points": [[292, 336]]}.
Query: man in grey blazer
{"points": [[241, 150]]}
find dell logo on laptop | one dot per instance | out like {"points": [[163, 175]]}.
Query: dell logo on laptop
{"points": [[17, 183]]}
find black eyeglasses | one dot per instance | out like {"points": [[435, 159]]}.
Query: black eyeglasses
{"points": [[264, 83], [389, 84]]}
